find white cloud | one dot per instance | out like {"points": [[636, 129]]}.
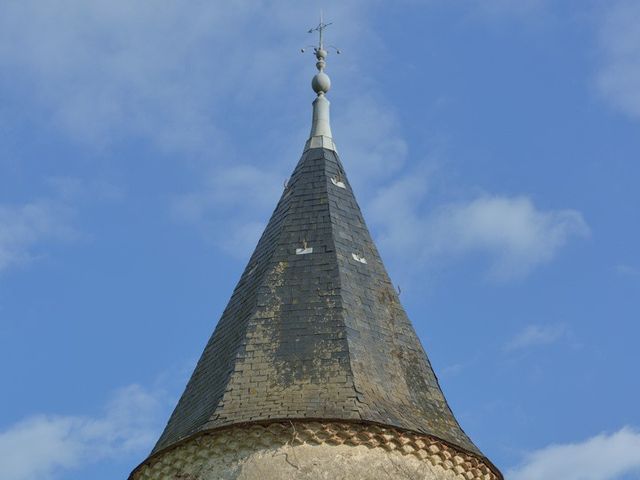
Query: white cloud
{"points": [[41, 446], [603, 457], [536, 335], [452, 370], [160, 70], [619, 77], [181, 78], [521, 8], [374, 148], [23, 227], [73, 189], [102, 67], [237, 187], [231, 205], [627, 270], [170, 75], [516, 235], [26, 229]]}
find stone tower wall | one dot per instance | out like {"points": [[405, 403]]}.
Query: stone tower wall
{"points": [[313, 450]]}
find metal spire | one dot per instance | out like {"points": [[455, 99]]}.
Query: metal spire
{"points": [[321, 83]]}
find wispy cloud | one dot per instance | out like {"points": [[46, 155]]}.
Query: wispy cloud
{"points": [[536, 335], [518, 236], [627, 270], [170, 76], [618, 80], [154, 70], [41, 446], [452, 370], [108, 70], [23, 227], [231, 205], [26, 229], [374, 148], [603, 457], [101, 69], [75, 189], [522, 8], [511, 231]]}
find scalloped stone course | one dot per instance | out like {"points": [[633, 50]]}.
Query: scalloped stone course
{"points": [[313, 450]]}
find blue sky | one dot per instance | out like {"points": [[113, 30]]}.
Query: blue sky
{"points": [[493, 146]]}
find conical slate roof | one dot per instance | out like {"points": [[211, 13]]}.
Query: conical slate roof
{"points": [[314, 328]]}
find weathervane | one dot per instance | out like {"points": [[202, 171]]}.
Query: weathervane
{"points": [[321, 82]]}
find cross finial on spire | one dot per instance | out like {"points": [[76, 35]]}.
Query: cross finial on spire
{"points": [[320, 29], [321, 82]]}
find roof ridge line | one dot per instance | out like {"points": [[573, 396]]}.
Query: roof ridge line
{"points": [[251, 264], [343, 309]]}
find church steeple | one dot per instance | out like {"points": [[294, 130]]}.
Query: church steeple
{"points": [[314, 369]]}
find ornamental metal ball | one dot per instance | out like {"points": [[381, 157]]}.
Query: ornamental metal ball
{"points": [[321, 83]]}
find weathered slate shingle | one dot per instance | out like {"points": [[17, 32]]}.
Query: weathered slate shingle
{"points": [[318, 335]]}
